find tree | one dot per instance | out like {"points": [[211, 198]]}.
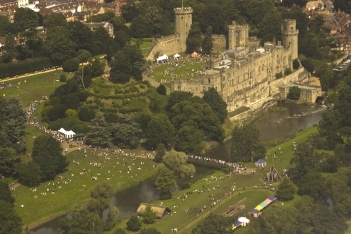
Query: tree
{"points": [[177, 97], [47, 152], [207, 42], [149, 216], [97, 67], [176, 161], [308, 64], [160, 152], [103, 190], [10, 221], [82, 222], [133, 224], [54, 19], [71, 112], [86, 114], [125, 133], [294, 93], [287, 71], [127, 62], [219, 107], [161, 89], [311, 184], [119, 231], [165, 182], [30, 174], [25, 18], [13, 124], [99, 134], [81, 35], [5, 193], [246, 144], [8, 161], [159, 130], [63, 78], [189, 140], [286, 190], [213, 224], [149, 231], [70, 65], [193, 41], [83, 56], [112, 218], [4, 25], [270, 27]]}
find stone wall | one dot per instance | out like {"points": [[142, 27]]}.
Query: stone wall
{"points": [[169, 45], [219, 43], [297, 75]]}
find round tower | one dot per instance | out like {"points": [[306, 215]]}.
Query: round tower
{"points": [[183, 21], [290, 37]]}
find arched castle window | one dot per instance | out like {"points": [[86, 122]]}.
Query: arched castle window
{"points": [[186, 25]]}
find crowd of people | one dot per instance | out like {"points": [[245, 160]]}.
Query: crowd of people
{"points": [[4, 85]]}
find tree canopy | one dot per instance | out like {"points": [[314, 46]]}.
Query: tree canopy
{"points": [[246, 144]]}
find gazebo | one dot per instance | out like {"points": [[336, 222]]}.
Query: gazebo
{"points": [[260, 163], [194, 54], [176, 56], [68, 134]]}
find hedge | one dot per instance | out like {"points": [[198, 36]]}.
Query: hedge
{"points": [[23, 67]]}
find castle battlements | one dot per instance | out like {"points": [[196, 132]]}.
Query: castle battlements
{"points": [[183, 10]]}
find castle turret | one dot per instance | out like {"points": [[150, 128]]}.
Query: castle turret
{"points": [[238, 35], [183, 21], [290, 37]]}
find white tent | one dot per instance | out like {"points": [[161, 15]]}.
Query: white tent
{"points": [[67, 134], [176, 56], [243, 220], [163, 57]]}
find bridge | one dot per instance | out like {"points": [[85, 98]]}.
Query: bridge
{"points": [[205, 163]]}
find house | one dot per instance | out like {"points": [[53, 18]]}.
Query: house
{"points": [[106, 25], [160, 211], [331, 27]]}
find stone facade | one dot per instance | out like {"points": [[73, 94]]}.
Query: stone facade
{"points": [[246, 72], [308, 93]]}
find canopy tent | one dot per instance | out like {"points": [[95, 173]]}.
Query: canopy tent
{"points": [[243, 220], [260, 163], [176, 56], [255, 213], [272, 198], [258, 207], [194, 54], [162, 58], [267, 201], [263, 205], [67, 134]]}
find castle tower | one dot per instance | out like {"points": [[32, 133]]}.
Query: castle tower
{"points": [[231, 35], [238, 35], [183, 21], [290, 37]]}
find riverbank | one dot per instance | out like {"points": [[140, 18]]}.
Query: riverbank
{"points": [[71, 189]]}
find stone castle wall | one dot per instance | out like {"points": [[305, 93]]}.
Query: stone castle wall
{"points": [[219, 43], [168, 45]]}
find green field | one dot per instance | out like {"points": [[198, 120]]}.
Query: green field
{"points": [[33, 87], [145, 45], [185, 68], [39, 210]]}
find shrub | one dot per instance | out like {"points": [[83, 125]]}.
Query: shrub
{"points": [[142, 86], [287, 71], [279, 75], [134, 224], [294, 93], [63, 78], [70, 65]]}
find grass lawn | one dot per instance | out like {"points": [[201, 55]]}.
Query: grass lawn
{"points": [[74, 194], [145, 45], [185, 67], [198, 200], [33, 87], [31, 134]]}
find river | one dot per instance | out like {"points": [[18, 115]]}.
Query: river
{"points": [[273, 126]]}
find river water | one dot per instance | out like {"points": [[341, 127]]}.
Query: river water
{"points": [[273, 126]]}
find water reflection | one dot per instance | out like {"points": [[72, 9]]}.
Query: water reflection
{"points": [[278, 125]]}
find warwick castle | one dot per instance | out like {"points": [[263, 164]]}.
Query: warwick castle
{"points": [[245, 72]]}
